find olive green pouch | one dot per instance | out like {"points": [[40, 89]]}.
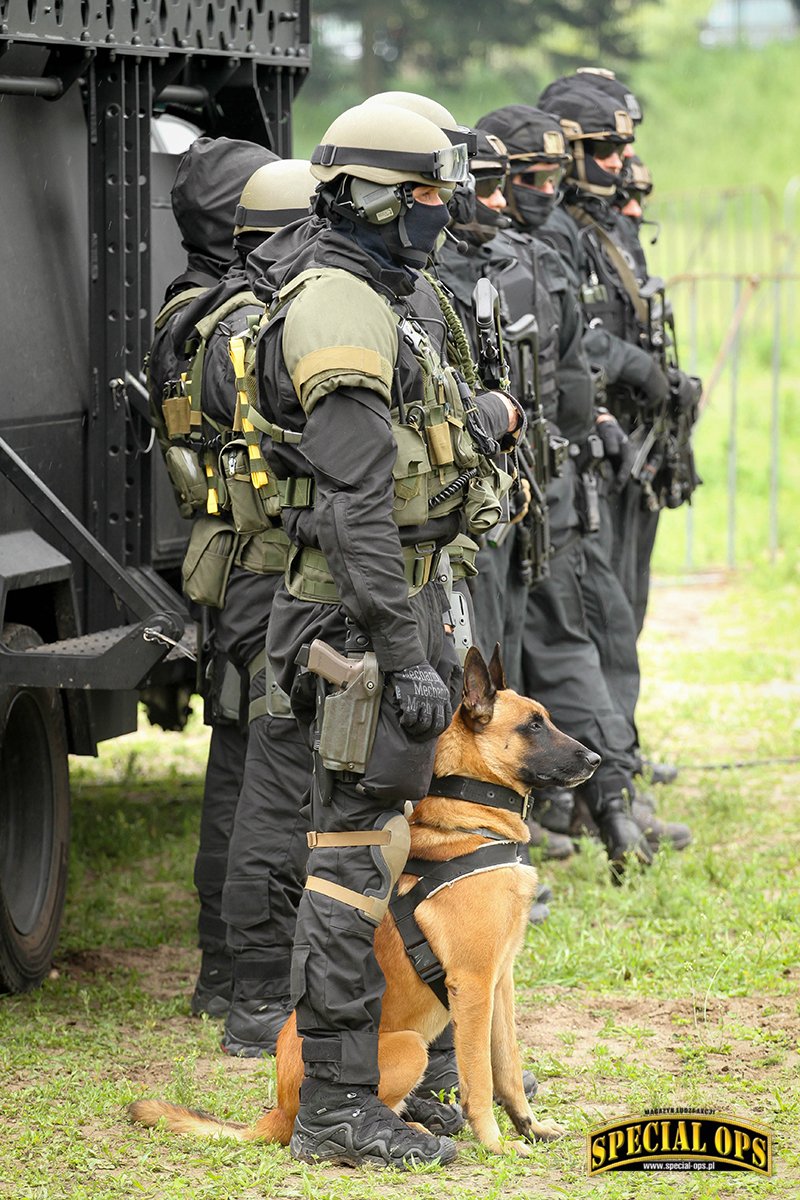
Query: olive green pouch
{"points": [[209, 558], [411, 468], [251, 508], [265, 552], [187, 478]]}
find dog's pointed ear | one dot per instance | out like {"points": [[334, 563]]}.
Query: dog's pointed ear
{"points": [[496, 672], [477, 705]]}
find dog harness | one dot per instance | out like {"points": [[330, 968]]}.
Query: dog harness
{"points": [[500, 852]]}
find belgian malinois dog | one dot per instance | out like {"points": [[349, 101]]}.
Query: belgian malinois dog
{"points": [[475, 927]]}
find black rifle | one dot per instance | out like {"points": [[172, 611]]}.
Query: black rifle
{"points": [[532, 452], [664, 464]]}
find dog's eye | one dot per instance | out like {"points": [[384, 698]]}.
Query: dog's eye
{"points": [[535, 723]]}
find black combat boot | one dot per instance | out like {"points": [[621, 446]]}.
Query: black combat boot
{"points": [[552, 808], [656, 772], [441, 1076], [252, 1025], [540, 909], [657, 831], [619, 832], [552, 845], [435, 1115], [340, 1123], [214, 988]]}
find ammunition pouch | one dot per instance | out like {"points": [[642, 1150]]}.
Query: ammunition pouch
{"points": [[389, 844], [308, 576], [210, 555], [462, 552], [252, 508]]}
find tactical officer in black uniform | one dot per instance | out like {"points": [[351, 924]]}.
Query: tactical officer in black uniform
{"points": [[205, 194], [560, 664], [354, 360], [619, 340]]}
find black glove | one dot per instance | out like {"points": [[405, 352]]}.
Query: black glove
{"points": [[685, 388], [423, 699], [656, 385], [613, 437]]}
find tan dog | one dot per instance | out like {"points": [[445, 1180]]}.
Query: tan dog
{"points": [[475, 927]]}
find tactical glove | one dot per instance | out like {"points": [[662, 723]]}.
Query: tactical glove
{"points": [[656, 384], [613, 437], [685, 388], [423, 700]]}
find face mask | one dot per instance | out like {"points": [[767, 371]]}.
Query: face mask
{"points": [[534, 207], [422, 224]]}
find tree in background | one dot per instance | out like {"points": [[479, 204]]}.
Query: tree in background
{"points": [[439, 40]]}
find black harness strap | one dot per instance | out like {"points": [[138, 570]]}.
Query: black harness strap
{"points": [[435, 875], [459, 787]]}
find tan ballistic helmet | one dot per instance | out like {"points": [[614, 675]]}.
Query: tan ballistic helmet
{"points": [[433, 111], [274, 196], [383, 143]]}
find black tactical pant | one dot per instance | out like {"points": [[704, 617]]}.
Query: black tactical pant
{"points": [[337, 985], [498, 601], [561, 669], [635, 531], [224, 771], [610, 619], [266, 848], [267, 854]]}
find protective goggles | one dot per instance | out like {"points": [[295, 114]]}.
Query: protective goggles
{"points": [[448, 165], [539, 177], [487, 185], [602, 148]]}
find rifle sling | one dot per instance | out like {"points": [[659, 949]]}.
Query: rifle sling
{"points": [[626, 276]]}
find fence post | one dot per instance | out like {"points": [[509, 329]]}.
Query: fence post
{"points": [[774, 466], [732, 445]]}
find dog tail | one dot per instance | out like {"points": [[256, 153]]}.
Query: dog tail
{"points": [[185, 1120], [274, 1126]]}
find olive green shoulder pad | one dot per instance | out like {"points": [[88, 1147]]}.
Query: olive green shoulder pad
{"points": [[338, 332]]}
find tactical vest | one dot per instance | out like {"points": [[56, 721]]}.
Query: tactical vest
{"points": [[437, 469], [602, 295], [517, 281], [217, 469]]}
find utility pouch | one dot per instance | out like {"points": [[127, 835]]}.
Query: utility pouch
{"points": [[208, 562], [462, 552], [187, 478], [483, 506], [251, 508], [265, 552], [437, 433], [349, 714], [411, 470]]}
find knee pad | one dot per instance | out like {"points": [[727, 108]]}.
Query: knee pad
{"points": [[389, 843]]}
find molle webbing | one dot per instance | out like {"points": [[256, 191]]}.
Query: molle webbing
{"points": [[309, 578], [459, 787], [433, 877]]}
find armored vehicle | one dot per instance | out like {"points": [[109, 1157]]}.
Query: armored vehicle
{"points": [[97, 100]]}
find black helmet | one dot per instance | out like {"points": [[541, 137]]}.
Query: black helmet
{"points": [[607, 82], [532, 137], [589, 116]]}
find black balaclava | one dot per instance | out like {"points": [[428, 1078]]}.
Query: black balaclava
{"points": [[522, 128], [408, 240], [534, 207]]}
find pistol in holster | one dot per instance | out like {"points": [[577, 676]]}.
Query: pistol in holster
{"points": [[347, 717], [587, 497]]}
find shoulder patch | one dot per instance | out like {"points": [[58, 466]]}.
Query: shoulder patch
{"points": [[338, 332]]}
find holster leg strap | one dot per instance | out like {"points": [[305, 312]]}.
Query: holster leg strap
{"points": [[391, 846]]}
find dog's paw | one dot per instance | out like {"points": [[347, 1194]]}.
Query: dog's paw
{"points": [[515, 1146], [545, 1131]]}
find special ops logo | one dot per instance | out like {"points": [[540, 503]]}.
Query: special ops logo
{"points": [[680, 1140]]}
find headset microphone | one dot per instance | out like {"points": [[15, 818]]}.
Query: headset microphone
{"points": [[461, 247]]}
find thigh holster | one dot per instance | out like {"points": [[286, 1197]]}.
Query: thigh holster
{"points": [[389, 843]]}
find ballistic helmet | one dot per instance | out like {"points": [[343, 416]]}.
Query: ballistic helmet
{"points": [[385, 144], [636, 177], [433, 111], [536, 151], [607, 82], [274, 196], [592, 121]]}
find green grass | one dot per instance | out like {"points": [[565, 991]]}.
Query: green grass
{"points": [[680, 987]]}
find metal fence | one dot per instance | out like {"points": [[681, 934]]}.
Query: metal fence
{"points": [[732, 262]]}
